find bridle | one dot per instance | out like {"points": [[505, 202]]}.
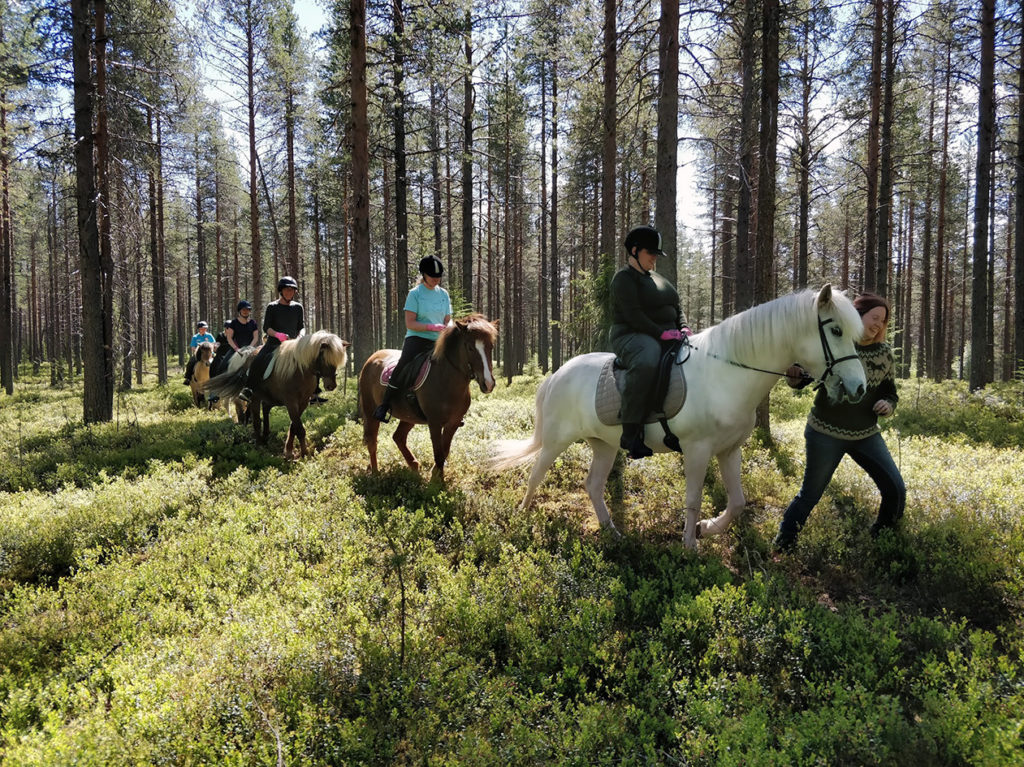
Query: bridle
{"points": [[830, 359]]}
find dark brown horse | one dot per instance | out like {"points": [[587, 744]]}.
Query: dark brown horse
{"points": [[461, 354], [291, 383]]}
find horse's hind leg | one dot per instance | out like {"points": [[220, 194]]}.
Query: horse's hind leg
{"points": [[404, 427], [371, 426], [545, 458], [597, 478], [729, 465]]}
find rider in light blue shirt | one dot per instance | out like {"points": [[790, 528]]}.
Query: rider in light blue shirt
{"points": [[202, 334], [428, 308]]}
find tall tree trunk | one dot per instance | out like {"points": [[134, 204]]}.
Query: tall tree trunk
{"points": [[467, 163], [96, 405], [744, 288], [401, 172], [160, 314], [983, 171], [869, 272], [925, 357], [543, 276], [6, 250], [608, 125], [254, 199], [767, 151], [556, 267], [668, 123], [435, 170], [885, 186], [804, 157], [362, 319], [939, 358], [201, 266], [1018, 249], [292, 257]]}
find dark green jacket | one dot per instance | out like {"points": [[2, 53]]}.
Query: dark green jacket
{"points": [[643, 303]]}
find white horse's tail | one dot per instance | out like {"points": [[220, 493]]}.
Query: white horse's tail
{"points": [[515, 452]]}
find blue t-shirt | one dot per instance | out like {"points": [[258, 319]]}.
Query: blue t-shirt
{"points": [[431, 307], [198, 338]]}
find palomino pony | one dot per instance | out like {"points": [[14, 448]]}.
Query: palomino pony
{"points": [[731, 369], [201, 372], [292, 382], [462, 353]]}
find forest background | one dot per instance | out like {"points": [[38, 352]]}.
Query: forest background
{"points": [[160, 161]]}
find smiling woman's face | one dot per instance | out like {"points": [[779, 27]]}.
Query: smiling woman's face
{"points": [[874, 324]]}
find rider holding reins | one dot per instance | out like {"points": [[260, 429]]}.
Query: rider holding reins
{"points": [[428, 308], [283, 319], [645, 312]]}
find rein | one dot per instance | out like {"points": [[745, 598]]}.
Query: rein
{"points": [[830, 359]]}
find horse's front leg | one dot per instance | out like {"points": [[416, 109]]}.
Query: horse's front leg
{"points": [[295, 429], [400, 435], [729, 464], [695, 466], [437, 441]]}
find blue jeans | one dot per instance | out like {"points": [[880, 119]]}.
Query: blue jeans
{"points": [[823, 456]]}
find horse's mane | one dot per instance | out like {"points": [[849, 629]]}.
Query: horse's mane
{"points": [[298, 354], [743, 334], [476, 325]]}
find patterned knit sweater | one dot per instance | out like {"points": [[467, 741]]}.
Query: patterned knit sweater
{"points": [[852, 421]]}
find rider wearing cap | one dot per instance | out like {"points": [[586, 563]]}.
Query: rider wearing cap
{"points": [[201, 336], [645, 312], [428, 308], [284, 319]]}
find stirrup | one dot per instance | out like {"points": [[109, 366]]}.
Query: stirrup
{"points": [[245, 395], [382, 413]]}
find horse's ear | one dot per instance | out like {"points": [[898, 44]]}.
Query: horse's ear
{"points": [[346, 344], [496, 322], [825, 296]]}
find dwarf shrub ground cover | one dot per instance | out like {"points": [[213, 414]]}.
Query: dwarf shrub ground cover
{"points": [[202, 602]]}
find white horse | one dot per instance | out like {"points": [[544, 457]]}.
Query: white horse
{"points": [[241, 359], [731, 369]]}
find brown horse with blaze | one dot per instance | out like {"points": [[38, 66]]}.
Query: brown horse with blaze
{"points": [[462, 354]]}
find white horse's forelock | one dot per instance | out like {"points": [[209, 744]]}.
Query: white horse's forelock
{"points": [[743, 334]]}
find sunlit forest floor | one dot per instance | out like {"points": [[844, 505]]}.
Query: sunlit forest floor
{"points": [[173, 593]]}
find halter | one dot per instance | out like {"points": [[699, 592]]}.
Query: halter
{"points": [[830, 359]]}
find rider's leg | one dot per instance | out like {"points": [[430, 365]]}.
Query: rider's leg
{"points": [[258, 368], [640, 354], [411, 347]]}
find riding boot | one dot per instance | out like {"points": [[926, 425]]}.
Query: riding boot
{"points": [[632, 441], [381, 413]]}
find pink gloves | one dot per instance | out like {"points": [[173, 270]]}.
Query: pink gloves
{"points": [[435, 327], [671, 335], [281, 336]]}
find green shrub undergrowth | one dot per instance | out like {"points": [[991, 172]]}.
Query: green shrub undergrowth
{"points": [[171, 593]]}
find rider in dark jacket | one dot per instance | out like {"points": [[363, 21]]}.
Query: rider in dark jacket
{"points": [[645, 312]]}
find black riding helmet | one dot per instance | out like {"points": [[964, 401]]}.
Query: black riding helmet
{"points": [[431, 266], [644, 236], [201, 324], [245, 304], [286, 282]]}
